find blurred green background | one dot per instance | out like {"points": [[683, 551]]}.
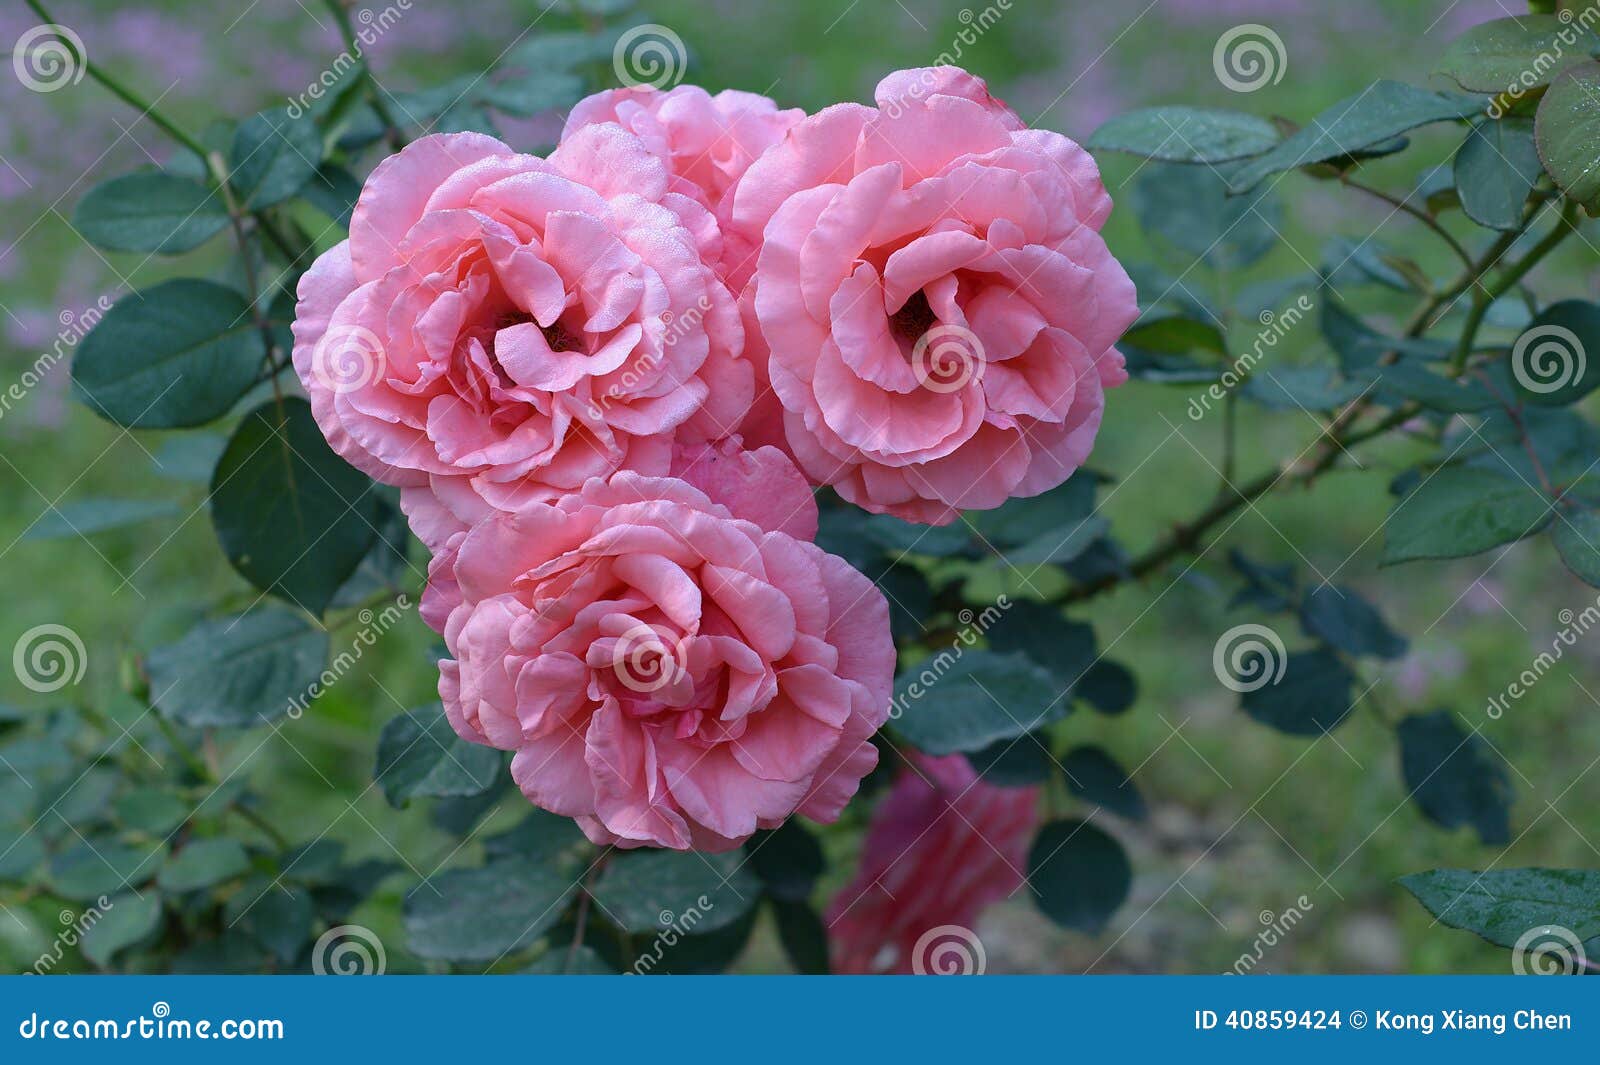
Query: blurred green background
{"points": [[1245, 821]]}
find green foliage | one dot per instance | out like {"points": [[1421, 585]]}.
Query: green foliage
{"points": [[1456, 512], [419, 754], [1502, 905], [1078, 874], [1181, 134], [293, 518], [173, 356], [1454, 776], [150, 211]]}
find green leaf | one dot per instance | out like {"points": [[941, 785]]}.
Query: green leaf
{"points": [[1556, 360], [91, 868], [788, 859], [540, 836], [954, 702], [85, 517], [1503, 905], [1449, 395], [1175, 335], [277, 916], [534, 94], [419, 754], [333, 190], [1191, 208], [1370, 117], [1495, 170], [1459, 512], [1310, 698], [21, 851], [1524, 52], [150, 211], [239, 670], [173, 356], [803, 935], [483, 914], [1454, 776], [273, 157], [1022, 763], [1339, 616], [1079, 876], [1094, 776], [291, 516], [1567, 130], [129, 919], [1360, 347], [647, 891], [152, 811], [1038, 630], [1109, 687], [1576, 534], [1181, 134], [202, 863], [1304, 388]]}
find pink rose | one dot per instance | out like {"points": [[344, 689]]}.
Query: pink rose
{"points": [[708, 142], [938, 303], [500, 328], [667, 672], [942, 845]]}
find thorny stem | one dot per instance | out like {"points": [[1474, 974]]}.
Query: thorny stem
{"points": [[1414, 211], [1487, 294], [1189, 537]]}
